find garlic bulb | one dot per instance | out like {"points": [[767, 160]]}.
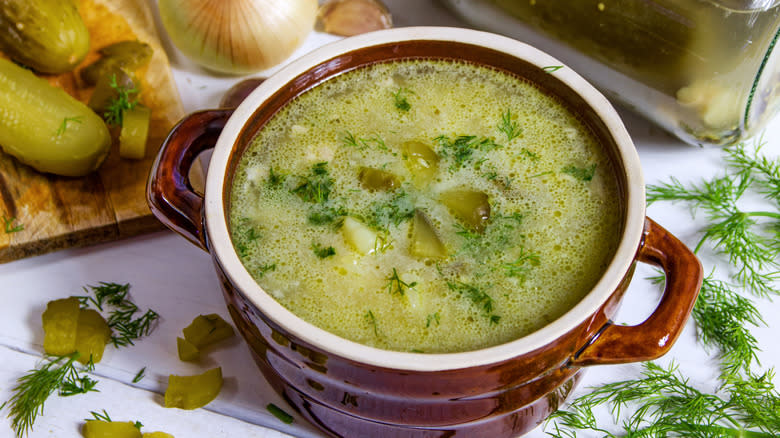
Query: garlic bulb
{"points": [[238, 36]]}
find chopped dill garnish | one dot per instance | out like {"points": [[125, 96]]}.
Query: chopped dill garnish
{"points": [[275, 179], [432, 318], [400, 99], [581, 173], [520, 267], [461, 150], [549, 172], [396, 285], [64, 125], [114, 114], [552, 68], [394, 211], [348, 139], [9, 227], [60, 375], [510, 128], [477, 296], [315, 187], [326, 215], [371, 320], [99, 416], [125, 326], [321, 251], [264, 269], [527, 153], [139, 375], [277, 412]]}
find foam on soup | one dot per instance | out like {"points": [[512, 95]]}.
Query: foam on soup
{"points": [[426, 206]]}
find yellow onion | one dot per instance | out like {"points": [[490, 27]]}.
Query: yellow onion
{"points": [[238, 36]]}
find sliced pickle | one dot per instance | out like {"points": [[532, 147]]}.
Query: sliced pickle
{"points": [[193, 392], [206, 330], [375, 179], [92, 335], [124, 55], [110, 429], [187, 351], [470, 206], [424, 241], [359, 236], [60, 325], [135, 131], [422, 162]]}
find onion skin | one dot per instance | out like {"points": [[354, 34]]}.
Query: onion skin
{"points": [[238, 36]]}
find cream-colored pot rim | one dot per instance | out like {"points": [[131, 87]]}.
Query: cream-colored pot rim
{"points": [[222, 248]]}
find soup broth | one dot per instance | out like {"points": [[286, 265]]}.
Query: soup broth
{"points": [[426, 206]]}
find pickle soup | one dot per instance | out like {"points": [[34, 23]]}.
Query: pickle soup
{"points": [[426, 206]]}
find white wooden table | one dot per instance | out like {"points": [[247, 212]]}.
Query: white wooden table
{"points": [[177, 280]]}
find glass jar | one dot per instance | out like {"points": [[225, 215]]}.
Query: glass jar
{"points": [[705, 70]]}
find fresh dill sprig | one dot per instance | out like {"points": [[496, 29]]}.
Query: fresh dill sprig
{"points": [[371, 320], [114, 114], [581, 173], [32, 390], [396, 285], [9, 227], [321, 251], [519, 267], [139, 375], [348, 139], [315, 187], [398, 209], [99, 416], [125, 326], [477, 296], [670, 406], [461, 150], [400, 99], [509, 127], [432, 318], [275, 179], [64, 125]]}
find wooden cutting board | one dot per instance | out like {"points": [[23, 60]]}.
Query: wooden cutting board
{"points": [[42, 213]]}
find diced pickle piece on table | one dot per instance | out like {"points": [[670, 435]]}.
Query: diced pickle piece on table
{"points": [[206, 330], [60, 325], [359, 236], [110, 429], [187, 351], [92, 335], [157, 435], [376, 179], [424, 241], [470, 206], [124, 55], [106, 90], [422, 162], [135, 131], [192, 392]]}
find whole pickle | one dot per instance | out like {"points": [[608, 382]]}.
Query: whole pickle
{"points": [[46, 128], [46, 35], [124, 55]]}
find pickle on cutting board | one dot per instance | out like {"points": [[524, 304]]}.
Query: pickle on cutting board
{"points": [[110, 429], [192, 392], [60, 325], [48, 36], [46, 128], [124, 55]]}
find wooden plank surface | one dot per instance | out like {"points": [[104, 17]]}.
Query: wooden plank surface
{"points": [[52, 212]]}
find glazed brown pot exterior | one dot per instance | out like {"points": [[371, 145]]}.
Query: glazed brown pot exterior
{"points": [[346, 396]]}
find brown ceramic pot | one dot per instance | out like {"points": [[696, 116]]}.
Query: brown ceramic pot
{"points": [[348, 389]]}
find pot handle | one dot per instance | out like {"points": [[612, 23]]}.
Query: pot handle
{"points": [[656, 335], [169, 192]]}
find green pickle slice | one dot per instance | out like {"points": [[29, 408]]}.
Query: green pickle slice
{"points": [[187, 351], [135, 131], [193, 392], [206, 330], [92, 335], [60, 324], [110, 429]]}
